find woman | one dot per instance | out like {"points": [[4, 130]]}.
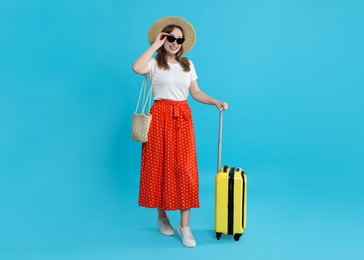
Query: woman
{"points": [[169, 177]]}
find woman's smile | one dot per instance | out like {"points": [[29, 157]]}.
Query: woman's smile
{"points": [[173, 47]]}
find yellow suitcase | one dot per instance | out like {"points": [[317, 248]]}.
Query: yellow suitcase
{"points": [[230, 198]]}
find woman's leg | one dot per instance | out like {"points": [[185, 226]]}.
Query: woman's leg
{"points": [[163, 223], [184, 229], [161, 213], [185, 218]]}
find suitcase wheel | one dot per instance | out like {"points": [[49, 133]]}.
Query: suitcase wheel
{"points": [[237, 237], [218, 235]]}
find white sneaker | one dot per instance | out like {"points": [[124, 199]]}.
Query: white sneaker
{"points": [[186, 236], [165, 227]]}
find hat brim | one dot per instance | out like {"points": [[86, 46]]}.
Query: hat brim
{"points": [[188, 31]]}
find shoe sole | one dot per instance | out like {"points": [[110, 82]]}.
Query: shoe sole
{"points": [[167, 234]]}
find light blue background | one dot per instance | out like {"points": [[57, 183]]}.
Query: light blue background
{"points": [[292, 72]]}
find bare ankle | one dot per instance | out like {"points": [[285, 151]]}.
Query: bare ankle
{"points": [[183, 225], [161, 214]]}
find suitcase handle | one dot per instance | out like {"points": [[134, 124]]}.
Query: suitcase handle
{"points": [[219, 149]]}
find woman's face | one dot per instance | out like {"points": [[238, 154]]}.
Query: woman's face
{"points": [[173, 47]]}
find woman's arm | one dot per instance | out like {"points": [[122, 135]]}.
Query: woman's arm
{"points": [[199, 96], [140, 66]]}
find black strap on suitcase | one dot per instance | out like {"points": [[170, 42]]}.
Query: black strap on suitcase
{"points": [[231, 202]]}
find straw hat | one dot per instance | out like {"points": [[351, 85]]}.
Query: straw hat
{"points": [[188, 30]]}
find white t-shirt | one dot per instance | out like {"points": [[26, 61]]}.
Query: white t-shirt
{"points": [[172, 84]]}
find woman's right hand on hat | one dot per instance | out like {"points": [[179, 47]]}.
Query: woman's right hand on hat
{"points": [[160, 39]]}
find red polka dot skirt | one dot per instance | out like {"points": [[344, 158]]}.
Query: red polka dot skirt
{"points": [[169, 176]]}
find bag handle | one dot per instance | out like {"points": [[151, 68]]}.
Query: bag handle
{"points": [[144, 87], [219, 151], [140, 94]]}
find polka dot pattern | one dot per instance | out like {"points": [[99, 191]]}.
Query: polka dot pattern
{"points": [[169, 175]]}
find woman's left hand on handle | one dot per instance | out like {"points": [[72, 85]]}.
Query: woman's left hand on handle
{"points": [[222, 106]]}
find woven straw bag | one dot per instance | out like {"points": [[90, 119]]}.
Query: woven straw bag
{"points": [[141, 122]]}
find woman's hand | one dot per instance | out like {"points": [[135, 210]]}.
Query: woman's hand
{"points": [[222, 106], [159, 40], [140, 66]]}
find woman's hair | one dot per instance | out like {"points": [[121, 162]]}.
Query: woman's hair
{"points": [[162, 53]]}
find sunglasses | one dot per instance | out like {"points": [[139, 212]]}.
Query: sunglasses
{"points": [[171, 39]]}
